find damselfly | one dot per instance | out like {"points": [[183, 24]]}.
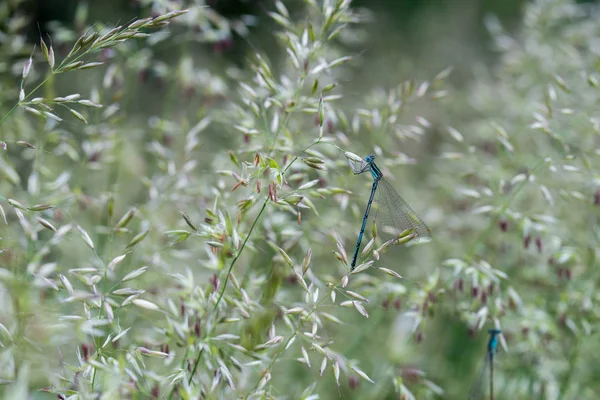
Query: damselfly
{"points": [[394, 215], [477, 390]]}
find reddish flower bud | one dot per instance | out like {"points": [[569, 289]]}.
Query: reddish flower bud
{"points": [[483, 297], [411, 374], [471, 332], [156, 391], [474, 291], [385, 303], [526, 241], [94, 157], [597, 197], [419, 336], [562, 320], [168, 139], [197, 329], [461, 284], [503, 225], [538, 244], [353, 382], [397, 304], [215, 282], [143, 75], [431, 297], [568, 274], [330, 126], [85, 351]]}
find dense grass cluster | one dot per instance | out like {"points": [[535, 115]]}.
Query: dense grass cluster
{"points": [[175, 226]]}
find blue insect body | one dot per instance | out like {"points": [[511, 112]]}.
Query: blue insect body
{"points": [[493, 343], [397, 214], [492, 346]]}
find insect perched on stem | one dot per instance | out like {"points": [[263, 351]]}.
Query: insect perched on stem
{"points": [[476, 390], [394, 214]]}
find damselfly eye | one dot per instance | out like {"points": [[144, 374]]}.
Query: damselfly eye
{"points": [[370, 158]]}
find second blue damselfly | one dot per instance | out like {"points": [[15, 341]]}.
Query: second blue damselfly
{"points": [[393, 215], [477, 389]]}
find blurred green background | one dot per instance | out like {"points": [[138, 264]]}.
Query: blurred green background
{"points": [[143, 153]]}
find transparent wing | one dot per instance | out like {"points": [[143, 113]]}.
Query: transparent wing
{"points": [[476, 392], [394, 215]]}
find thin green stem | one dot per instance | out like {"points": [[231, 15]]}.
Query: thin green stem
{"points": [[25, 98], [53, 72], [236, 258], [182, 367], [94, 379], [195, 366], [10, 112], [252, 228], [224, 287]]}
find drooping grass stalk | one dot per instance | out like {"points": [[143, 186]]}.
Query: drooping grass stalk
{"points": [[89, 43], [233, 262]]}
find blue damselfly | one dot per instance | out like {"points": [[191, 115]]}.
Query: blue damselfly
{"points": [[393, 216], [477, 389]]}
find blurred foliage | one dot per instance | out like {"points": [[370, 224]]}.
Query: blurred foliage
{"points": [[177, 210]]}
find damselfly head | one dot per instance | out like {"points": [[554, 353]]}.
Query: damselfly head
{"points": [[494, 331], [370, 158]]}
